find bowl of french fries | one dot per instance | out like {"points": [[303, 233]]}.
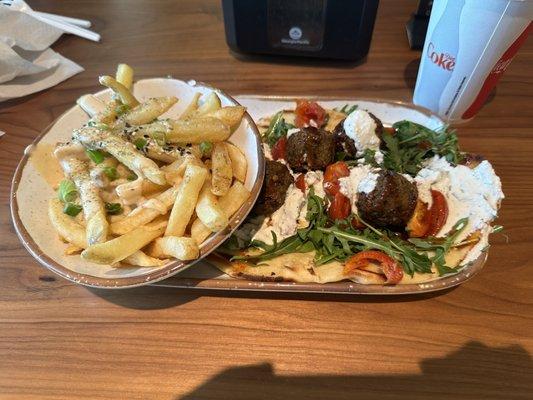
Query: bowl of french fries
{"points": [[138, 181]]}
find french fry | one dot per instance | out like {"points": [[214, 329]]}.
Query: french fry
{"points": [[142, 259], [90, 104], [93, 206], [186, 199], [195, 130], [181, 248], [66, 226], [191, 108], [146, 212], [175, 171], [231, 116], [208, 210], [221, 169], [122, 150], [149, 110], [239, 164], [124, 76], [118, 249], [230, 203], [126, 97], [210, 104]]}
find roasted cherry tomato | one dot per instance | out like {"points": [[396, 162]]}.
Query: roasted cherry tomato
{"points": [[340, 207], [300, 182], [279, 150], [307, 111], [331, 177], [418, 225], [438, 213], [390, 267]]}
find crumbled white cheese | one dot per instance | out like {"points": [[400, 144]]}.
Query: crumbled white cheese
{"points": [[378, 157], [287, 219], [267, 151], [470, 193], [362, 179], [315, 179], [291, 216], [292, 131], [360, 127]]}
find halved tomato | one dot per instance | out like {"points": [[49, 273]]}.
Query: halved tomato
{"points": [[279, 150], [331, 177], [300, 182], [428, 222], [307, 111], [340, 207], [438, 213], [391, 268]]}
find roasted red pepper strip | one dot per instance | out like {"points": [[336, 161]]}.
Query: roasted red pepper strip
{"points": [[391, 268]]}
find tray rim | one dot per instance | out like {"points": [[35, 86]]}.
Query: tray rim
{"points": [[343, 287], [144, 279]]}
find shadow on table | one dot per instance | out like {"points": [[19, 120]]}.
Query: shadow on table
{"points": [[475, 371], [152, 297]]}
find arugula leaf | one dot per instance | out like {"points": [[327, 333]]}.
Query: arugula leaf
{"points": [[277, 129], [347, 109], [412, 143]]}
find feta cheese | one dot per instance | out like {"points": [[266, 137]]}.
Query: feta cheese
{"points": [[315, 179], [470, 193], [292, 131], [360, 127], [287, 219], [362, 179]]}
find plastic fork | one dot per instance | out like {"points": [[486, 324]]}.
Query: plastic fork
{"points": [[66, 24]]}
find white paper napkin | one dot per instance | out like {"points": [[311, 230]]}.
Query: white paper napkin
{"points": [[27, 65]]}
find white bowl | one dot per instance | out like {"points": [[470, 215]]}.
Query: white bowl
{"points": [[30, 193]]}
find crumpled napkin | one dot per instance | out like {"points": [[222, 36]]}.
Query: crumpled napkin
{"points": [[27, 64]]}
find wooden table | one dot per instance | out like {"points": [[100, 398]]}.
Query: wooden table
{"points": [[63, 341]]}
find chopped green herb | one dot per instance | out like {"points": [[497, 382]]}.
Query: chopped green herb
{"points": [[132, 177], [159, 137], [206, 148], [96, 156], [122, 109], [98, 125], [72, 209], [140, 143], [347, 109], [110, 172], [277, 129], [67, 191], [113, 208]]}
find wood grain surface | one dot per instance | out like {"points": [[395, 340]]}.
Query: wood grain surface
{"points": [[62, 341]]}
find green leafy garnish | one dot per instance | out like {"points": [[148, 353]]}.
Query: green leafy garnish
{"points": [[96, 156], [347, 109], [113, 208], [206, 148], [110, 172], [277, 129], [122, 109], [98, 125], [159, 137], [412, 143], [67, 191], [337, 241], [72, 209], [132, 176], [140, 143]]}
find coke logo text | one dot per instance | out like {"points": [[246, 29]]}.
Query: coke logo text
{"points": [[443, 60]]}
